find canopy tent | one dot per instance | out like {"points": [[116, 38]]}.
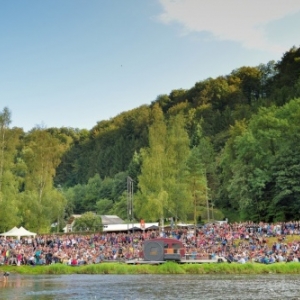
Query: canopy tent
{"points": [[18, 232], [9, 231]]}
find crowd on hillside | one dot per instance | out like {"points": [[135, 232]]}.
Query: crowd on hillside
{"points": [[237, 242]]}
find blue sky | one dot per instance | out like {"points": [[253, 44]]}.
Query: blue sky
{"points": [[73, 63]]}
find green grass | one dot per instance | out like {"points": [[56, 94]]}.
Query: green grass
{"points": [[167, 268]]}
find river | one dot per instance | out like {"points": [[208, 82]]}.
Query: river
{"points": [[152, 287]]}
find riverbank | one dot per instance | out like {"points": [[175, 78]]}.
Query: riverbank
{"points": [[167, 268]]}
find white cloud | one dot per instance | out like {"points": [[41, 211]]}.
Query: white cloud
{"points": [[242, 21]]}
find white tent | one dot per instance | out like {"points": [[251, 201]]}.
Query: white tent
{"points": [[9, 231], [24, 232], [18, 232]]}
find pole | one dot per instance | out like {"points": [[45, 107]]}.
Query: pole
{"points": [[207, 204], [195, 208], [130, 202], [131, 193], [162, 226]]}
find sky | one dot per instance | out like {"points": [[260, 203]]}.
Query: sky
{"points": [[74, 63]]}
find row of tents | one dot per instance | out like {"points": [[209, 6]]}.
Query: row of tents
{"points": [[18, 232]]}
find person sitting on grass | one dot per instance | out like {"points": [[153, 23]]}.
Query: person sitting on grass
{"points": [[31, 260], [272, 259], [42, 260], [12, 260], [265, 259], [241, 260], [81, 261], [37, 255], [74, 261]]}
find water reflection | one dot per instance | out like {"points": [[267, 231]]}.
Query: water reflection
{"points": [[135, 287]]}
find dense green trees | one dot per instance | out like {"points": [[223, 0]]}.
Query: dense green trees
{"points": [[28, 166], [230, 142], [261, 164]]}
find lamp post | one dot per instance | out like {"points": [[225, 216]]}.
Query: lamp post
{"points": [[130, 202], [212, 210]]}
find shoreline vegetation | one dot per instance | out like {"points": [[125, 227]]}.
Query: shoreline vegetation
{"points": [[166, 268]]}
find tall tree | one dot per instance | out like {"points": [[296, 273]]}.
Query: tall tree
{"points": [[250, 82], [41, 154], [202, 170], [177, 152], [5, 120], [152, 200], [197, 182], [161, 183]]}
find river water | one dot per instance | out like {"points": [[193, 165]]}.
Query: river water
{"points": [[152, 287]]}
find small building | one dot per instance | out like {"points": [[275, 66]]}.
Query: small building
{"points": [[111, 219]]}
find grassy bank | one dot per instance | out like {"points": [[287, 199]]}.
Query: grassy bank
{"points": [[167, 268]]}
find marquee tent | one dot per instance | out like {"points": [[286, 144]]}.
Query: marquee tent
{"points": [[9, 231], [18, 232]]}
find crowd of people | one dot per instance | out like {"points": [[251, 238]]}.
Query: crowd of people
{"points": [[237, 242]]}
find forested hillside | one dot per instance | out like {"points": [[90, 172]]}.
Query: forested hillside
{"points": [[227, 147]]}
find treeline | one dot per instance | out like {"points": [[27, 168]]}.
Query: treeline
{"points": [[227, 147]]}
